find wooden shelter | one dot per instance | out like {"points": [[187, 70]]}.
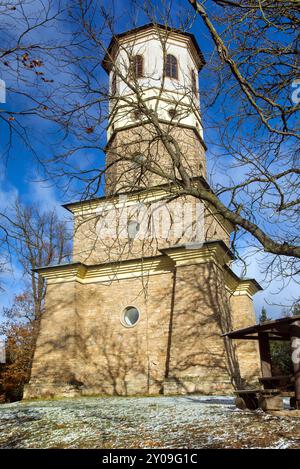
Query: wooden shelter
{"points": [[288, 329]]}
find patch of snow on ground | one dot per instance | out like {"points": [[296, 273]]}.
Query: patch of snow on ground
{"points": [[143, 422]]}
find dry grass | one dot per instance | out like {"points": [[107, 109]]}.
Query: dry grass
{"points": [[153, 422]]}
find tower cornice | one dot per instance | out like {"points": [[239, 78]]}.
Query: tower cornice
{"points": [[140, 31]]}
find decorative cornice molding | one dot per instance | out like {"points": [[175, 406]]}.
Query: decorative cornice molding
{"points": [[63, 273], [212, 251], [144, 31], [153, 194], [118, 201], [170, 258], [247, 287], [240, 287], [106, 272]]}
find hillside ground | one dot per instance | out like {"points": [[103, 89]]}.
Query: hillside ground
{"points": [[143, 422]]}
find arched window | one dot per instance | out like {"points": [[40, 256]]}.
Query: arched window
{"points": [[114, 84], [194, 82], [138, 66], [171, 66]]}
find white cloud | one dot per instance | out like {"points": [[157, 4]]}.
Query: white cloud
{"points": [[12, 282], [279, 293], [8, 192], [44, 195]]}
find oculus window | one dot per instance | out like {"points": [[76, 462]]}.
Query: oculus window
{"points": [[130, 316], [133, 228]]}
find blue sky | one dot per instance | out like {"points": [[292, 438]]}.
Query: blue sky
{"points": [[22, 176]]}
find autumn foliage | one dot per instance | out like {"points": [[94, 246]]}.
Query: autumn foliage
{"points": [[20, 329], [36, 238]]}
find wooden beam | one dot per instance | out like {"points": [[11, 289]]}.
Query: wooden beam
{"points": [[265, 354], [255, 337], [279, 337], [244, 337], [295, 343]]}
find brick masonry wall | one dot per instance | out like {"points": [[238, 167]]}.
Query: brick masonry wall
{"points": [[83, 348], [108, 358], [246, 350], [56, 348], [125, 175], [199, 362], [91, 246]]}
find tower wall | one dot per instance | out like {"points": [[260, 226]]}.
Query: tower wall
{"points": [[175, 347], [143, 108], [157, 90], [198, 358], [91, 245], [139, 144], [247, 353]]}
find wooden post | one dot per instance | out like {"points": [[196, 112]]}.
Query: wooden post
{"points": [[295, 343], [265, 354]]}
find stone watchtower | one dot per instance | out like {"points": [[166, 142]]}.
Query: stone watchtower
{"points": [[162, 66], [142, 311]]}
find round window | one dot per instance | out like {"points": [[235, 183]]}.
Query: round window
{"points": [[137, 114], [133, 228], [130, 316], [173, 113]]}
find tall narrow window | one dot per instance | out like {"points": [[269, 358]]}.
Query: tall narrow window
{"points": [[171, 66], [194, 82], [114, 84], [138, 66]]}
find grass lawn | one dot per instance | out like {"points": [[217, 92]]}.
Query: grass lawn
{"points": [[143, 422]]}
